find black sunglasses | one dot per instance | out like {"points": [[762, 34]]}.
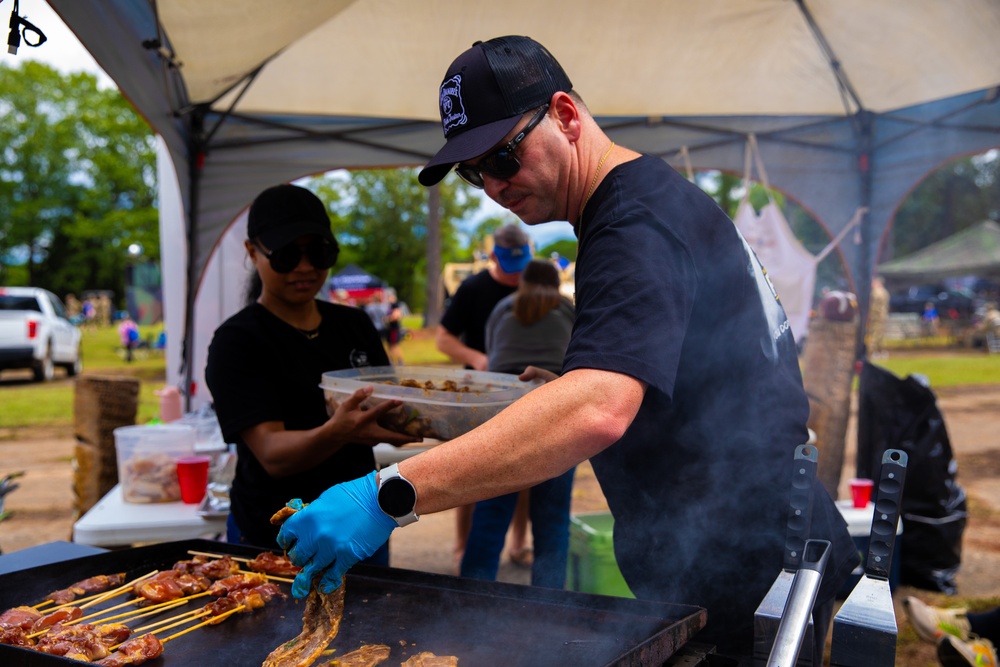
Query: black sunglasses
{"points": [[501, 163], [321, 253]]}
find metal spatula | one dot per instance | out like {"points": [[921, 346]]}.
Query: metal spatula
{"points": [[864, 630], [767, 618]]}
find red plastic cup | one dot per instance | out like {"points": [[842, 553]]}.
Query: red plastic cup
{"points": [[192, 474], [861, 492]]}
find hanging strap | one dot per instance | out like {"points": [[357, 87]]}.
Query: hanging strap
{"points": [[685, 157], [860, 211], [754, 150]]}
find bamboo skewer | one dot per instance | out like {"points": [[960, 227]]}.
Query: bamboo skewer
{"points": [[211, 555], [150, 611], [197, 613], [163, 606], [171, 619], [212, 620], [271, 577]]}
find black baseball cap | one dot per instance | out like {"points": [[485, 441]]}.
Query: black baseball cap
{"points": [[485, 92], [283, 213]]}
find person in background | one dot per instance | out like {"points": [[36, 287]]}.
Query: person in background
{"points": [[74, 309], [128, 335], [531, 327], [376, 312], [929, 319], [394, 327], [878, 314], [266, 362], [962, 638], [462, 336], [681, 381]]}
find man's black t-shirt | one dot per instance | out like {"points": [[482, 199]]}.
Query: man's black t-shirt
{"points": [[262, 369], [471, 306], [699, 484]]}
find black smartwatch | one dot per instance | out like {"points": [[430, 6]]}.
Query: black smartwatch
{"points": [[396, 496]]}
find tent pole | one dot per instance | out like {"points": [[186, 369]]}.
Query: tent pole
{"points": [[866, 121], [196, 161]]}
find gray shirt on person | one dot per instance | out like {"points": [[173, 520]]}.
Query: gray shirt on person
{"points": [[512, 346]]}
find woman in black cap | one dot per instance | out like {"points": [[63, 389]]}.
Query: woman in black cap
{"points": [[265, 365]]}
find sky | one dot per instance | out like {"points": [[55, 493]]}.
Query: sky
{"points": [[64, 52]]}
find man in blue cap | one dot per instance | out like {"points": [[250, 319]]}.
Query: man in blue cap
{"points": [[462, 333], [462, 336]]}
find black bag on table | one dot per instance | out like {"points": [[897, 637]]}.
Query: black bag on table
{"points": [[896, 413]]}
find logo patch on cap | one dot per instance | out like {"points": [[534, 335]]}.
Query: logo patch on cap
{"points": [[452, 108]]}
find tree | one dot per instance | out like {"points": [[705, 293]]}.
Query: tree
{"points": [[380, 220], [951, 199], [77, 180]]}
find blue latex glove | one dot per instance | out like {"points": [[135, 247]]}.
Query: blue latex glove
{"points": [[341, 527]]}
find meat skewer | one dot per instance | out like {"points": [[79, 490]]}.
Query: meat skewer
{"points": [[266, 562], [134, 652], [97, 597], [19, 617], [125, 588], [98, 584]]}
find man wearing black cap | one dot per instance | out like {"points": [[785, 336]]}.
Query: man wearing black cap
{"points": [[266, 362], [681, 382]]}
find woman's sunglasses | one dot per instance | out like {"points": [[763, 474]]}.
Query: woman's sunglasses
{"points": [[321, 253], [501, 163]]}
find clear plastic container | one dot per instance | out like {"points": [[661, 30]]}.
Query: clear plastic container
{"points": [[429, 412], [147, 460]]}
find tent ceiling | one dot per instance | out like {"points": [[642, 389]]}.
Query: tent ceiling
{"points": [[719, 57]]}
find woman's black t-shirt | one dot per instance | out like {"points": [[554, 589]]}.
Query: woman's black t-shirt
{"points": [[262, 369]]}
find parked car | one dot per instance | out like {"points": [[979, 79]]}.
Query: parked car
{"points": [[35, 334], [951, 304]]}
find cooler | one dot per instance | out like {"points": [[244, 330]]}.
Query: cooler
{"points": [[592, 567], [859, 525]]}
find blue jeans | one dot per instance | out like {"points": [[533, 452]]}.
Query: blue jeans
{"points": [[549, 512]]}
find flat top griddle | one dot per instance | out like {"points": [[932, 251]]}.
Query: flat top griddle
{"points": [[483, 623]]}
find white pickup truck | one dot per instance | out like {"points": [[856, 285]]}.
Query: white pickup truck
{"points": [[35, 334]]}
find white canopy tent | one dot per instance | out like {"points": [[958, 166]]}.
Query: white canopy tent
{"points": [[852, 102]]}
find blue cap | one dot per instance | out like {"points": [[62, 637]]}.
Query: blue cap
{"points": [[513, 260]]}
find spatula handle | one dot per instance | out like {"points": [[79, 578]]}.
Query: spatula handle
{"points": [[888, 500], [800, 505]]}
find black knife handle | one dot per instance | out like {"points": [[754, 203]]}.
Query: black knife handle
{"points": [[800, 505], [888, 500]]}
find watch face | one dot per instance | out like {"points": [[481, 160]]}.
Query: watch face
{"points": [[397, 497]]}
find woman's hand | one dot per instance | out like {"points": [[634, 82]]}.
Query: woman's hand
{"points": [[354, 423], [535, 373]]}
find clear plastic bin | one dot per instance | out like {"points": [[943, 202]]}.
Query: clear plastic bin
{"points": [[147, 460], [429, 413]]}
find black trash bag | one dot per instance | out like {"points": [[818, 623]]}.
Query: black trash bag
{"points": [[896, 413]]}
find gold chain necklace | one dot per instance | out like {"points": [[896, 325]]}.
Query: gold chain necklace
{"points": [[593, 183]]}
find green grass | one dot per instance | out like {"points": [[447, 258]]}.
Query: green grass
{"points": [[50, 405], [945, 369]]}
